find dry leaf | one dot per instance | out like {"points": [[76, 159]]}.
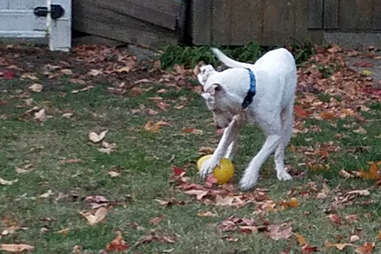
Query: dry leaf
{"points": [[335, 219], [354, 238], [67, 71], [301, 240], [67, 115], [154, 127], [114, 173], [118, 244], [96, 138], [6, 182], [25, 169], [339, 246], [207, 214], [372, 174], [193, 131], [16, 248], [95, 217], [37, 88], [40, 115], [277, 232], [156, 220], [367, 248], [47, 194]]}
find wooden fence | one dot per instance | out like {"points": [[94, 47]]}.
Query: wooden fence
{"points": [[153, 23]]}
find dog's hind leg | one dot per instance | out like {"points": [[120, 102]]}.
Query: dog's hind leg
{"points": [[287, 123], [251, 174]]}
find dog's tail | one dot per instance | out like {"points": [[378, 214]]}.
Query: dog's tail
{"points": [[228, 61]]}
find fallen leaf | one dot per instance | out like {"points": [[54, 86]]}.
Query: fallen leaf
{"points": [[339, 246], [306, 249], [94, 72], [193, 131], [154, 127], [96, 138], [37, 88], [200, 194], [118, 244], [8, 75], [327, 115], [354, 238], [46, 194], [25, 169], [113, 173], [6, 182], [277, 232], [66, 71], [301, 240], [156, 220], [95, 217], [360, 130], [16, 248], [335, 219], [40, 115], [300, 112], [366, 248], [371, 174], [379, 236], [67, 115], [207, 214]]}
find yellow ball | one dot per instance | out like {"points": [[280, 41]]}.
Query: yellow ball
{"points": [[222, 172]]}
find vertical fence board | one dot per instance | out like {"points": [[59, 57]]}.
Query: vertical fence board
{"points": [[331, 14], [356, 15], [202, 21], [247, 21], [377, 15], [315, 14], [221, 29]]}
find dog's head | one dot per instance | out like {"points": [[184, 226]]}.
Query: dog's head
{"points": [[217, 99], [205, 72]]}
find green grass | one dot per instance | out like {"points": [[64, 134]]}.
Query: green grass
{"points": [[145, 161]]}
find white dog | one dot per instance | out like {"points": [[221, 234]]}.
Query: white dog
{"points": [[272, 79]]}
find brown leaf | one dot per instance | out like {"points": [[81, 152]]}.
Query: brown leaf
{"points": [[156, 220], [16, 248], [366, 248], [96, 138], [372, 174], [118, 244], [334, 218], [95, 217], [339, 246], [40, 115], [155, 127], [200, 194], [207, 214], [306, 249], [379, 236], [277, 232], [300, 112], [301, 240], [37, 88], [193, 131]]}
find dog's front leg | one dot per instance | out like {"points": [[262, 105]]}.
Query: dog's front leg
{"points": [[229, 136]]}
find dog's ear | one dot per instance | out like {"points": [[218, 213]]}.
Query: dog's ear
{"points": [[204, 72], [215, 89]]}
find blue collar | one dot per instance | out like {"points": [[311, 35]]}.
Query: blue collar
{"points": [[252, 90]]}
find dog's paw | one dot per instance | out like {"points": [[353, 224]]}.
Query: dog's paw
{"points": [[247, 183], [208, 167], [283, 176]]}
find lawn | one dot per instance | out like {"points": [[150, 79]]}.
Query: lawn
{"points": [[65, 188]]}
